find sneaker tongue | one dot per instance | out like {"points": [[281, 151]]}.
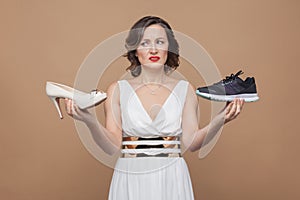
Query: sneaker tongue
{"points": [[239, 79], [239, 73], [236, 76], [231, 78]]}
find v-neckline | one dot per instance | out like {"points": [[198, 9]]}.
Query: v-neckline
{"points": [[162, 107]]}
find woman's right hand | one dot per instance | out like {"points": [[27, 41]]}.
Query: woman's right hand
{"points": [[74, 111]]}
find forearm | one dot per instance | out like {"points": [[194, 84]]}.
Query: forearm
{"points": [[106, 140], [206, 134]]}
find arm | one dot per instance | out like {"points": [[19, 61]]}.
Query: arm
{"points": [[109, 137], [193, 137]]}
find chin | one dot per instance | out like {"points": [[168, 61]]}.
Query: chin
{"points": [[154, 65]]}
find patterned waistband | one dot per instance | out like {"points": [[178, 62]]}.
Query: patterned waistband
{"points": [[151, 147]]}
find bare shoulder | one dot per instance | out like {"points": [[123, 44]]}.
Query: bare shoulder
{"points": [[113, 90], [191, 94], [191, 88], [112, 87]]}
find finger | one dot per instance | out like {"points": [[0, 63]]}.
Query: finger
{"points": [[76, 110], [243, 102], [74, 107], [238, 108], [66, 104], [228, 108], [239, 101], [70, 107], [233, 109]]}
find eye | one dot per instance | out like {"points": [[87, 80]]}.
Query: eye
{"points": [[144, 43], [161, 42]]}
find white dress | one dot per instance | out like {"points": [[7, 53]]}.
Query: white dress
{"points": [[151, 178]]}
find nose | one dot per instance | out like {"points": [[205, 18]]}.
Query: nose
{"points": [[153, 49]]}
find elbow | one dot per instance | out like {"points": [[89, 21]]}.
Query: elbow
{"points": [[109, 149], [111, 152], [194, 147], [189, 145], [191, 149]]}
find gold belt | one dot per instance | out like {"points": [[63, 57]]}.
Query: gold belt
{"points": [[169, 138], [167, 143]]}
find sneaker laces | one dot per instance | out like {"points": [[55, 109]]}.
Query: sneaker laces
{"points": [[232, 77]]}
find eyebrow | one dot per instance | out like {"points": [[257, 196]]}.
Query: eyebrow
{"points": [[159, 38]]}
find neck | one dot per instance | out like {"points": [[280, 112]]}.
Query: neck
{"points": [[152, 75]]}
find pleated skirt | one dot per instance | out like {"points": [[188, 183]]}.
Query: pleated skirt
{"points": [[151, 178]]}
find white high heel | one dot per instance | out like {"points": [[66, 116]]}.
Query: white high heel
{"points": [[82, 99]]}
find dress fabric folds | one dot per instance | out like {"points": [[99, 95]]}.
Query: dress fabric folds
{"points": [[151, 178]]}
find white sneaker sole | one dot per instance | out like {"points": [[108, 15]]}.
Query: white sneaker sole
{"points": [[247, 97]]}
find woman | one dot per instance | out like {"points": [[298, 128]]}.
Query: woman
{"points": [[151, 115]]}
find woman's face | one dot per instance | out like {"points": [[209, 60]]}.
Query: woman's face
{"points": [[153, 48]]}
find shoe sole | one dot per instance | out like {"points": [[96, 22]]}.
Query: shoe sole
{"points": [[247, 97]]}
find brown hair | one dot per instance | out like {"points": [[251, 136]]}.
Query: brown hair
{"points": [[135, 36]]}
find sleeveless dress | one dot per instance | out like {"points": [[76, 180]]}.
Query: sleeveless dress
{"points": [[151, 178]]}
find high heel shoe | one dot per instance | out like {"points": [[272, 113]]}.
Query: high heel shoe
{"points": [[82, 99]]}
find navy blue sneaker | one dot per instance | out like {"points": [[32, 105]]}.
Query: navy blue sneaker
{"points": [[230, 88]]}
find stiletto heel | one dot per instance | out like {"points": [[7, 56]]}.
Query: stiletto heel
{"points": [[82, 99], [56, 103]]}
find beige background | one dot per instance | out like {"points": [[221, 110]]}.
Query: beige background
{"points": [[42, 157]]}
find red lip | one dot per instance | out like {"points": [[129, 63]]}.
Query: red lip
{"points": [[154, 58]]}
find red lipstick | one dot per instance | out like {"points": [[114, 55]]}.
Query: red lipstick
{"points": [[154, 58]]}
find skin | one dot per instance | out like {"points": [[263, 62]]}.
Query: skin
{"points": [[153, 43]]}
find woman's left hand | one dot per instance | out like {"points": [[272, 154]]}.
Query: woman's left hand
{"points": [[233, 109]]}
